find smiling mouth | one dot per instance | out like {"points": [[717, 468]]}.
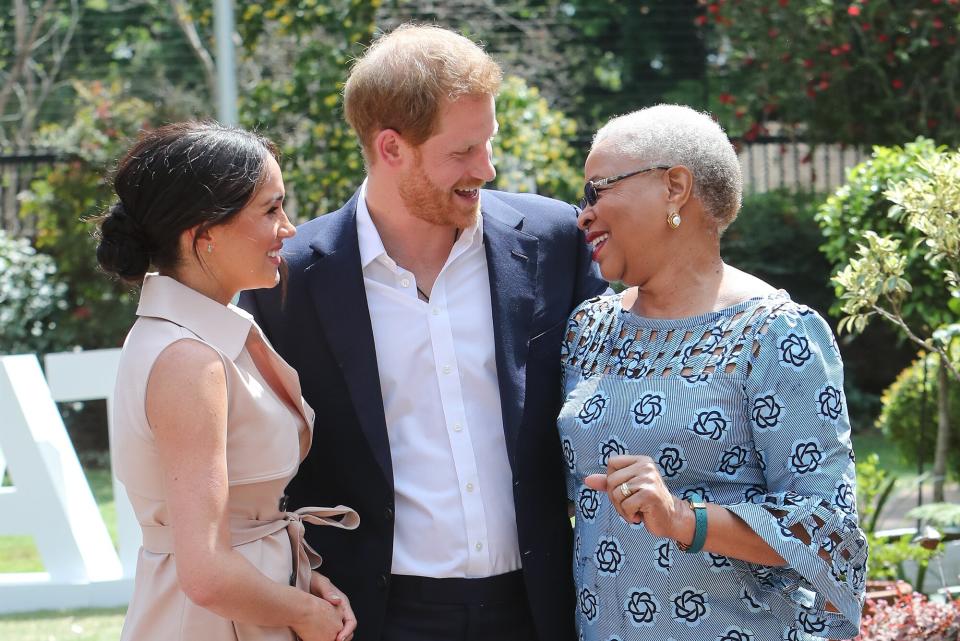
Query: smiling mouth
{"points": [[599, 240], [471, 194]]}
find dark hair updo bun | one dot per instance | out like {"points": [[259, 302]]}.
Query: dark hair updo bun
{"points": [[179, 177], [124, 249]]}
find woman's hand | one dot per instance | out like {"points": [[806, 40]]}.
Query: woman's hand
{"points": [[322, 587], [322, 622], [647, 499]]}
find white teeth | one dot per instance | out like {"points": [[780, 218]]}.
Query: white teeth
{"points": [[599, 239], [467, 192], [274, 253]]}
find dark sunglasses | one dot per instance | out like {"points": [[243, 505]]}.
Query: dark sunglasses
{"points": [[591, 191]]}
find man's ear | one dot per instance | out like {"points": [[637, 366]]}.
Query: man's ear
{"points": [[390, 147]]}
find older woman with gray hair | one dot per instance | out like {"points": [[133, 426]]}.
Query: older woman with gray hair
{"points": [[704, 425]]}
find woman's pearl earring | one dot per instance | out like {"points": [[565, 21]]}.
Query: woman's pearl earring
{"points": [[209, 248], [673, 219]]}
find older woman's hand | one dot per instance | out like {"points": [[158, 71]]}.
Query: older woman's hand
{"points": [[638, 493]]}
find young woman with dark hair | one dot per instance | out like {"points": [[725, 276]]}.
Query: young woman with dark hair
{"points": [[209, 423]]}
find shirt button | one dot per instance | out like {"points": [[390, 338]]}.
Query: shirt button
{"points": [[436, 311], [469, 487], [479, 546], [457, 427], [405, 282], [446, 369]]}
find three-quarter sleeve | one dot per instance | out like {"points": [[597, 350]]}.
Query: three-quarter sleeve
{"points": [[801, 433]]}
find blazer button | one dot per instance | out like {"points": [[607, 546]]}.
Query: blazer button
{"points": [[382, 581], [388, 514]]}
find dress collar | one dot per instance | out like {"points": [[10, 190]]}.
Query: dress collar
{"points": [[226, 327]]}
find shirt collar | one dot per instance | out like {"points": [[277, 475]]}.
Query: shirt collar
{"points": [[224, 327], [371, 245]]}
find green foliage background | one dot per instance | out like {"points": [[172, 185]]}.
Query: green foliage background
{"points": [[904, 403], [860, 206], [877, 72]]}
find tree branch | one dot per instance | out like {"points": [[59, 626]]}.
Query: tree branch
{"points": [[23, 48], [189, 28], [928, 344]]}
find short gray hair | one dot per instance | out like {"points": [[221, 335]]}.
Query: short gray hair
{"points": [[678, 135]]}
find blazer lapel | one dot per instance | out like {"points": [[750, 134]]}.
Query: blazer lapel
{"points": [[335, 282], [512, 266]]}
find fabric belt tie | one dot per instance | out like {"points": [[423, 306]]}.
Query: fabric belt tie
{"points": [[159, 538]]}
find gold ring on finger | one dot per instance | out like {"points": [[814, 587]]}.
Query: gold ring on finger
{"points": [[625, 490]]}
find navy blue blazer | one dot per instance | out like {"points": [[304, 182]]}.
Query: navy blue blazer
{"points": [[540, 269]]}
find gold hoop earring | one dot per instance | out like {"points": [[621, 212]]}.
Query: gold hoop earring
{"points": [[673, 219]]}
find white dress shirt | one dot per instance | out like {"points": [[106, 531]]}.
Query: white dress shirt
{"points": [[454, 508]]}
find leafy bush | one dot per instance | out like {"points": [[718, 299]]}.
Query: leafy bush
{"points": [[874, 486], [902, 408], [877, 71], [30, 297], [911, 618], [63, 197], [531, 151], [860, 206], [775, 237]]}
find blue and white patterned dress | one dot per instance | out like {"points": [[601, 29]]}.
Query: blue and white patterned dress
{"points": [[745, 408]]}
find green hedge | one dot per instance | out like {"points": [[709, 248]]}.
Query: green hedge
{"points": [[903, 404]]}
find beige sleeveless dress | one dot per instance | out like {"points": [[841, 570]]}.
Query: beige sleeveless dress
{"points": [[266, 440]]}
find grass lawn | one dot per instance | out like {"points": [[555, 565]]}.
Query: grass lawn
{"points": [[19, 554], [66, 625], [873, 441]]}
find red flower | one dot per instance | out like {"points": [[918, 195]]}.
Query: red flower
{"points": [[865, 26], [700, 21], [937, 23], [784, 3], [835, 51], [823, 86], [726, 99], [807, 63], [845, 47], [853, 10], [882, 37], [773, 33], [742, 111], [934, 42], [897, 83], [713, 8]]}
